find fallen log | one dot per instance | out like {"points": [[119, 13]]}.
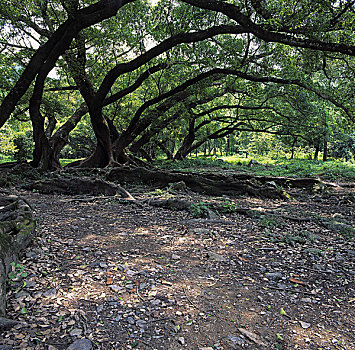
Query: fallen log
{"points": [[17, 227], [211, 184]]}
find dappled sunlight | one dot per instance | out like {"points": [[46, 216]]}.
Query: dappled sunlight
{"points": [[156, 277]]}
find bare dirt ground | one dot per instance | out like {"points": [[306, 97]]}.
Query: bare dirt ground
{"points": [[124, 275]]}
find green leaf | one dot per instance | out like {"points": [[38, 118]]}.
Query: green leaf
{"points": [[283, 312]]}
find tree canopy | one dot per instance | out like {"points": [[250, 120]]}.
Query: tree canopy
{"points": [[183, 72]]}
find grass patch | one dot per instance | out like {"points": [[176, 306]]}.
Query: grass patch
{"points": [[329, 170], [64, 161], [6, 159]]}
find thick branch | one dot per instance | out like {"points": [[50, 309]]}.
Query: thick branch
{"points": [[233, 12]]}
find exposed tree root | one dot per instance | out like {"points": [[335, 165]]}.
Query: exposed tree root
{"points": [[179, 204], [211, 184], [78, 185], [16, 230]]}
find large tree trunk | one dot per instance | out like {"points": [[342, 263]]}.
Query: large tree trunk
{"points": [[316, 152], [60, 137], [166, 150], [103, 155], [43, 155], [186, 144]]}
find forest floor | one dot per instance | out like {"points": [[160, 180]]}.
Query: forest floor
{"points": [[124, 275]]}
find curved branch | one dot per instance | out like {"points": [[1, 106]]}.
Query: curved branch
{"points": [[234, 13]]}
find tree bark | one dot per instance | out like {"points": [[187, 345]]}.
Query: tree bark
{"points": [[103, 154], [185, 147], [77, 185]]}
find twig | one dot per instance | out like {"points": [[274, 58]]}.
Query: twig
{"points": [[187, 297], [160, 319], [290, 290], [140, 297]]}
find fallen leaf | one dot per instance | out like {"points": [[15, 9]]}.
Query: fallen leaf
{"points": [[283, 312], [278, 336], [109, 280]]}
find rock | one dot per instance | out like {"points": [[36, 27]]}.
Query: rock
{"points": [[31, 255], [51, 293], [319, 267], [130, 320], [142, 324], [6, 347], [6, 323], [181, 340], [216, 257], [116, 288], [211, 214], [350, 252], [339, 259], [21, 294], [131, 273], [208, 348], [252, 336], [313, 251], [274, 276], [235, 340], [76, 332], [29, 284], [200, 231], [81, 344], [175, 257], [305, 325]]}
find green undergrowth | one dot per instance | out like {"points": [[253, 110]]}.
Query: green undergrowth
{"points": [[199, 210], [64, 161], [330, 170]]}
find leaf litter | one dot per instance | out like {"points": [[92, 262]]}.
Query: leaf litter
{"points": [[107, 275]]}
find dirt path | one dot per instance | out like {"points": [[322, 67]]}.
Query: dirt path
{"points": [[123, 276]]}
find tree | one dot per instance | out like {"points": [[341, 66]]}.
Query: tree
{"points": [[263, 43]]}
